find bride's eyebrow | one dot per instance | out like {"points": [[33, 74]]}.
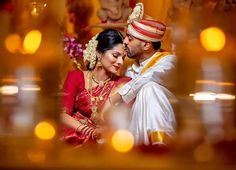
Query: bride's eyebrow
{"points": [[116, 52]]}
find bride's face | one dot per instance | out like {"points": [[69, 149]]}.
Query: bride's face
{"points": [[113, 59]]}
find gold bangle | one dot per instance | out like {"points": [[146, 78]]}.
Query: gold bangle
{"points": [[90, 134], [76, 130], [86, 130]]}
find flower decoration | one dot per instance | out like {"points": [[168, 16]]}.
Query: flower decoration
{"points": [[90, 56], [74, 49]]}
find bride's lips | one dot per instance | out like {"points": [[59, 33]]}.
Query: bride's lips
{"points": [[116, 67]]}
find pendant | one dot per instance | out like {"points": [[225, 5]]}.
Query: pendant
{"points": [[100, 98], [93, 99], [94, 113], [94, 109], [94, 118]]}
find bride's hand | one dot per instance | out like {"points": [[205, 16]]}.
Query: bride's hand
{"points": [[98, 135]]}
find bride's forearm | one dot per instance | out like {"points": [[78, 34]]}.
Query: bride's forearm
{"points": [[69, 121], [77, 126]]}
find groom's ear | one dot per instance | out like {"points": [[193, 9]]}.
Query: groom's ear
{"points": [[146, 45]]}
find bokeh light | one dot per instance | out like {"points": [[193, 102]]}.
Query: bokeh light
{"points": [[37, 8], [44, 130], [204, 96], [30, 87], [225, 96], [34, 12], [9, 90], [32, 41], [122, 141], [13, 43], [212, 39]]}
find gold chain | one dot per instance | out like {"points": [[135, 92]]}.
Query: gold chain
{"points": [[100, 83], [94, 107]]}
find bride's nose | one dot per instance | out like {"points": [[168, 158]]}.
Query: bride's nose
{"points": [[120, 60]]}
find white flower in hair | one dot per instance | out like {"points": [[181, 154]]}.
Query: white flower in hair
{"points": [[137, 13], [90, 56]]}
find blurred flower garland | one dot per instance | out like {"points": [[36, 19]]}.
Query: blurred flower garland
{"points": [[74, 49]]}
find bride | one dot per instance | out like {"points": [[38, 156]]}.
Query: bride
{"points": [[86, 92]]}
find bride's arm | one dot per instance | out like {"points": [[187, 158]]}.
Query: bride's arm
{"points": [[71, 122], [93, 133], [72, 84], [114, 99]]}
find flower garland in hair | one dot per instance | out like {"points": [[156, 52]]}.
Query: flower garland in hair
{"points": [[74, 49], [90, 56]]}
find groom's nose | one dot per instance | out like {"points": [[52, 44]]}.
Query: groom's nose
{"points": [[125, 41]]}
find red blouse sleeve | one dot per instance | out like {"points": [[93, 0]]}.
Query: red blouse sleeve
{"points": [[74, 83]]}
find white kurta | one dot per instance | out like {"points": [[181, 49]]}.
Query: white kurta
{"points": [[152, 110]]}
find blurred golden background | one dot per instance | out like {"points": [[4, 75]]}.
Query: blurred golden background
{"points": [[33, 66]]}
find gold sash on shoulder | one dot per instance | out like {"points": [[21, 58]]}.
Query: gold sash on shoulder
{"points": [[156, 136], [154, 60]]}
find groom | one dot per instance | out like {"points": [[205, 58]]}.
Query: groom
{"points": [[153, 120]]}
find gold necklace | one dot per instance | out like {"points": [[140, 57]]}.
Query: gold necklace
{"points": [[95, 99], [100, 83]]}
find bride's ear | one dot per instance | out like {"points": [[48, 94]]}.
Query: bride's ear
{"points": [[99, 55]]}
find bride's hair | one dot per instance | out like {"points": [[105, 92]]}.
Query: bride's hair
{"points": [[107, 39], [101, 42]]}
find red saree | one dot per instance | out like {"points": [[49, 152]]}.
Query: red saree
{"points": [[76, 102]]}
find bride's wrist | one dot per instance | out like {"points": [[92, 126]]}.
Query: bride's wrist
{"points": [[86, 130]]}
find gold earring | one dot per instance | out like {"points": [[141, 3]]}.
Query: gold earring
{"points": [[99, 64]]}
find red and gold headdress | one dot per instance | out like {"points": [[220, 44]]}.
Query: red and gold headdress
{"points": [[145, 29]]}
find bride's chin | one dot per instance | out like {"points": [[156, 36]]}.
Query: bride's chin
{"points": [[114, 71]]}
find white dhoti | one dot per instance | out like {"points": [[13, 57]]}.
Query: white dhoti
{"points": [[152, 113]]}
